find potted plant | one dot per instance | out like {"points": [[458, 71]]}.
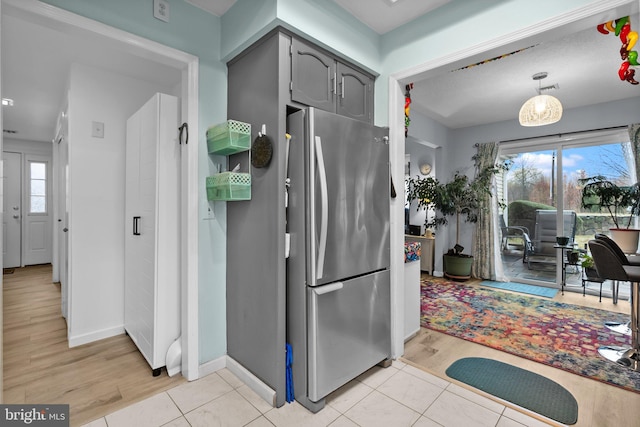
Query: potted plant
{"points": [[601, 193], [460, 198], [589, 266], [573, 256]]}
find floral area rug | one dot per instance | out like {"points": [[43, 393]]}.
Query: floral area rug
{"points": [[561, 335]]}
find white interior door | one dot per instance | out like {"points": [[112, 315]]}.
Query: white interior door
{"points": [[62, 169], [37, 211], [12, 208]]}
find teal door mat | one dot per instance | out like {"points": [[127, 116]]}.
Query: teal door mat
{"points": [[540, 291], [518, 386]]}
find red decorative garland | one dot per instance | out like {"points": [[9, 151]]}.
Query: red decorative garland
{"points": [[622, 28], [407, 103]]}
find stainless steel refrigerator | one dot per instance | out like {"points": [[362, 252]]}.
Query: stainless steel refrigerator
{"points": [[338, 281]]}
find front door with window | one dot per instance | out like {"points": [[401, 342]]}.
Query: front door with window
{"points": [[27, 211], [37, 219]]}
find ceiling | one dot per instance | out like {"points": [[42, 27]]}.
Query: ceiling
{"points": [[583, 63]]}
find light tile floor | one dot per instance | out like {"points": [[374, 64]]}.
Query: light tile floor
{"points": [[400, 395]]}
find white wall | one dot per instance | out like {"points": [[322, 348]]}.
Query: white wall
{"points": [[96, 192], [31, 147]]}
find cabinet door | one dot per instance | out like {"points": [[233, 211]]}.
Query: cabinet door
{"points": [[349, 330], [313, 79], [355, 93], [132, 318]]}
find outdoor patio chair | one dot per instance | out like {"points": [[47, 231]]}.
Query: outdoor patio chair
{"points": [[512, 231], [541, 248]]}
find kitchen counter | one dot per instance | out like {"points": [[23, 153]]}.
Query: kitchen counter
{"points": [[412, 251], [428, 249]]}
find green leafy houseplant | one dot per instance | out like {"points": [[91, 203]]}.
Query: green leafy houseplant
{"points": [[601, 193], [460, 198], [589, 266], [586, 261]]}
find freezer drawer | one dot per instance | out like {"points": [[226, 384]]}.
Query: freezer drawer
{"points": [[349, 330]]}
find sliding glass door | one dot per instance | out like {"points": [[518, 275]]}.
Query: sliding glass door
{"points": [[546, 180], [529, 187]]}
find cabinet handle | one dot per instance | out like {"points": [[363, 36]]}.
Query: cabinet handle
{"points": [[136, 220], [342, 88], [334, 79]]}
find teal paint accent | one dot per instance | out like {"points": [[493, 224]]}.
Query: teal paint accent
{"points": [[462, 24], [195, 31], [244, 23]]}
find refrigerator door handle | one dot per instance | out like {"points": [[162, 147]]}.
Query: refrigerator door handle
{"points": [[321, 290], [324, 208]]}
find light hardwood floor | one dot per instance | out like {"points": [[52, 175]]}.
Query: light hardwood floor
{"points": [[38, 366], [599, 404]]}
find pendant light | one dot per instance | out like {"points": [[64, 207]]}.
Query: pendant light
{"points": [[541, 109]]}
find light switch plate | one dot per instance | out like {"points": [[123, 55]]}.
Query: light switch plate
{"points": [[97, 129], [161, 10]]}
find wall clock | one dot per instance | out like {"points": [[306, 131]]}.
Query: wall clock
{"points": [[425, 169]]}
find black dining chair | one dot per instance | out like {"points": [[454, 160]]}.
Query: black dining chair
{"points": [[624, 258], [609, 266], [621, 328]]}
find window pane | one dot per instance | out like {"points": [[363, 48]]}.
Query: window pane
{"points": [[615, 163], [38, 170], [38, 204], [38, 188]]}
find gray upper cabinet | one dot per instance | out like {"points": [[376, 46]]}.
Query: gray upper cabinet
{"points": [[322, 81]]}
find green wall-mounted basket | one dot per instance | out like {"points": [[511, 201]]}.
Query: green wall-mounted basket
{"points": [[228, 138], [229, 186]]}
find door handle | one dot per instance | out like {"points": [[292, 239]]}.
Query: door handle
{"points": [[16, 216], [136, 221], [324, 208], [321, 290]]}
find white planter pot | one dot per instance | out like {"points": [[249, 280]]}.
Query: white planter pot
{"points": [[627, 239]]}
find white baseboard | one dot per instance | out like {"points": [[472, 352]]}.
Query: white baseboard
{"points": [[254, 383], [77, 340], [212, 366]]}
